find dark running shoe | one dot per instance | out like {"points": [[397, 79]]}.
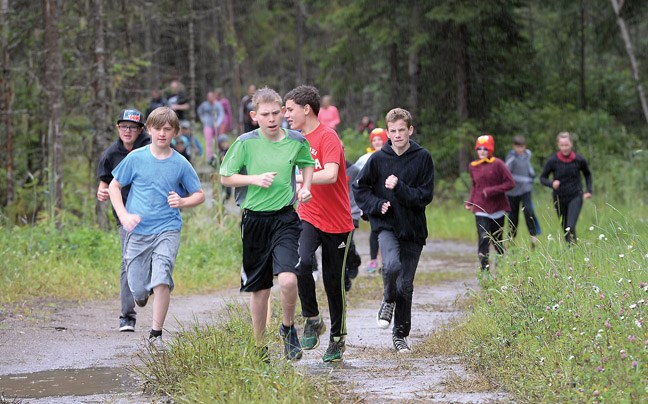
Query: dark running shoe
{"points": [[335, 350], [292, 348], [385, 314], [347, 283], [141, 303], [352, 272], [126, 324], [312, 330], [401, 345]]}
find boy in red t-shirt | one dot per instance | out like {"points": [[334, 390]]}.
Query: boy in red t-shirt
{"points": [[326, 221]]}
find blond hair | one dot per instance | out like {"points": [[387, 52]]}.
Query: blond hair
{"points": [[161, 116], [564, 135], [265, 95]]}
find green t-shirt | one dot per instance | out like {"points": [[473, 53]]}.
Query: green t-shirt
{"points": [[252, 153]]}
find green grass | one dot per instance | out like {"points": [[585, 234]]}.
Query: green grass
{"points": [[565, 324], [80, 263], [219, 363]]}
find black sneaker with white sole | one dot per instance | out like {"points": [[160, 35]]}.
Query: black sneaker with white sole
{"points": [[401, 345], [126, 324], [385, 314]]}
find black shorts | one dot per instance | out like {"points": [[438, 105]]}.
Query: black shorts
{"points": [[270, 246]]}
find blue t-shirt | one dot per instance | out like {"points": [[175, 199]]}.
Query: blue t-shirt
{"points": [[151, 181]]}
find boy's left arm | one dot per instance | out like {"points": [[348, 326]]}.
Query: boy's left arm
{"points": [[175, 201]]}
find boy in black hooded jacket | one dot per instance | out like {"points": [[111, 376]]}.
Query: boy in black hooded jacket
{"points": [[393, 189]]}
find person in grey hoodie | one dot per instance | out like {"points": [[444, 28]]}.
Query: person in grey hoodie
{"points": [[518, 162]]}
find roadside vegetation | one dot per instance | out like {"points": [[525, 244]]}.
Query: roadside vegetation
{"points": [[560, 323]]}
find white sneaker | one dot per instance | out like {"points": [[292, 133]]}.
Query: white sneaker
{"points": [[157, 344]]}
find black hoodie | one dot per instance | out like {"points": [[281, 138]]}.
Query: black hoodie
{"points": [[413, 192], [111, 158]]}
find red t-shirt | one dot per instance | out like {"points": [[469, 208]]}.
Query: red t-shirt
{"points": [[329, 210]]}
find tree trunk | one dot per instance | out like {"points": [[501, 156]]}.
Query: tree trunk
{"points": [[633, 61], [394, 92], [231, 34], [53, 87], [582, 94], [299, 42], [192, 63], [5, 104], [462, 94], [101, 110]]}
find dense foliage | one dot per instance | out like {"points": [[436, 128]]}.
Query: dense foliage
{"points": [[463, 67]]}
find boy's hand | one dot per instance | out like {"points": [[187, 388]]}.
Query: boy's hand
{"points": [[265, 180], [385, 207], [304, 195], [555, 184], [175, 201], [391, 181], [130, 221], [102, 194]]}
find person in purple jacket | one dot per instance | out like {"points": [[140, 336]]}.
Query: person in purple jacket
{"points": [[566, 167], [491, 179]]}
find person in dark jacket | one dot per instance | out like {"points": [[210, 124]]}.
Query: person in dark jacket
{"points": [[566, 167], [130, 125], [393, 189], [491, 179]]}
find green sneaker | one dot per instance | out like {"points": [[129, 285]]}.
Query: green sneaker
{"points": [[335, 350], [312, 330]]}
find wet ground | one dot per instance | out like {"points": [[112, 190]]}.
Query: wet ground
{"points": [[73, 353]]}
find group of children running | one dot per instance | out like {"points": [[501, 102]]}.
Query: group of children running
{"points": [[273, 169]]}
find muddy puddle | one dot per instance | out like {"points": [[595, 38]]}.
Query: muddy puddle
{"points": [[67, 382]]}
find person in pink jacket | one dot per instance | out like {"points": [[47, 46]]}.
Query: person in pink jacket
{"points": [[491, 179], [328, 113]]}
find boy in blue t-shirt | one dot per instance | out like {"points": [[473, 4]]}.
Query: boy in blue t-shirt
{"points": [[152, 213]]}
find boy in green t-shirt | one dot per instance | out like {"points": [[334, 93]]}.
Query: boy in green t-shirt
{"points": [[261, 165]]}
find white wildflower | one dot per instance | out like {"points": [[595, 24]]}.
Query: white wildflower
{"points": [[601, 236], [637, 323], [596, 288], [556, 307], [550, 237], [620, 280], [621, 255], [587, 259], [571, 357], [541, 319], [632, 306], [591, 228]]}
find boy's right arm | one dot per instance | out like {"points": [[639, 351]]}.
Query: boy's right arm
{"points": [[241, 180], [129, 221]]}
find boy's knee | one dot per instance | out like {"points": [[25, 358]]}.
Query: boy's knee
{"points": [[287, 280], [139, 293]]}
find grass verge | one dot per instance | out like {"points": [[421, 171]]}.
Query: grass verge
{"points": [[564, 323]]}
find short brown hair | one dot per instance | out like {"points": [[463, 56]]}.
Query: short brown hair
{"points": [[161, 116], [397, 114], [519, 140]]}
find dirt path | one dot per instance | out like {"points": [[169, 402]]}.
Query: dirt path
{"points": [[74, 354]]}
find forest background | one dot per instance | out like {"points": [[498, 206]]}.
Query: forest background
{"points": [[464, 67]]}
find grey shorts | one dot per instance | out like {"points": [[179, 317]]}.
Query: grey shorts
{"points": [[149, 261]]}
